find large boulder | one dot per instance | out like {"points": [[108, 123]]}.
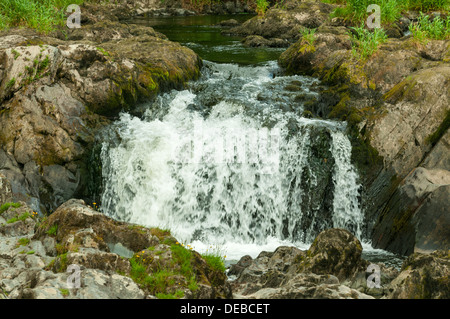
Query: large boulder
{"points": [[332, 269], [114, 259], [416, 217], [334, 251], [56, 94], [423, 276], [285, 23]]}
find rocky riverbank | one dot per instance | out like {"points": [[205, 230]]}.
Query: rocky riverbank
{"points": [[397, 105], [59, 90], [121, 260]]}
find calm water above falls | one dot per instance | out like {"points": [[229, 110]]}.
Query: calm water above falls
{"points": [[230, 162]]}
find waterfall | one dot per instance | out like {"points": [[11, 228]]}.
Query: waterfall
{"points": [[225, 163]]}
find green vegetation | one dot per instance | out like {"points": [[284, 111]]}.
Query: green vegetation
{"points": [[23, 241], [11, 83], [22, 217], [215, 259], [365, 42], [42, 15], [425, 28], [428, 5], [356, 10], [6, 206], [64, 292], [16, 54], [165, 277], [52, 230], [155, 282], [261, 7], [308, 35]]}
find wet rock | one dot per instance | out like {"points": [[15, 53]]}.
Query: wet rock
{"points": [[236, 269], [416, 217], [423, 276], [288, 272], [334, 251], [5, 189], [259, 41], [285, 23], [35, 255], [56, 94], [229, 23]]}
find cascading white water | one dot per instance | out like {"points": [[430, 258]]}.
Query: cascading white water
{"points": [[347, 213], [245, 175]]}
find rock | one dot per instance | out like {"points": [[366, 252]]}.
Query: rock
{"points": [[334, 251], [55, 94], [303, 57], [5, 190], [236, 269], [416, 217], [258, 41], [423, 276], [396, 104], [285, 23], [112, 257], [280, 275], [310, 286], [228, 23]]}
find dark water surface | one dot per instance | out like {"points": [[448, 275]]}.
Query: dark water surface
{"points": [[203, 35]]}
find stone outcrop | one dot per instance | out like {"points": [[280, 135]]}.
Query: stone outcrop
{"points": [[332, 268], [396, 104], [414, 218], [112, 258], [423, 276], [57, 93], [326, 270], [334, 251], [123, 9], [286, 20]]}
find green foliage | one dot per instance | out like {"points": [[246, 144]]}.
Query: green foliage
{"points": [[155, 282], [42, 15], [6, 206], [365, 42], [64, 292], [215, 259], [11, 83], [52, 230], [308, 35], [16, 54], [425, 28], [429, 5], [261, 7], [356, 10], [183, 257], [23, 241], [17, 218]]}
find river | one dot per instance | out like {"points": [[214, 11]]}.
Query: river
{"points": [[231, 163]]}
